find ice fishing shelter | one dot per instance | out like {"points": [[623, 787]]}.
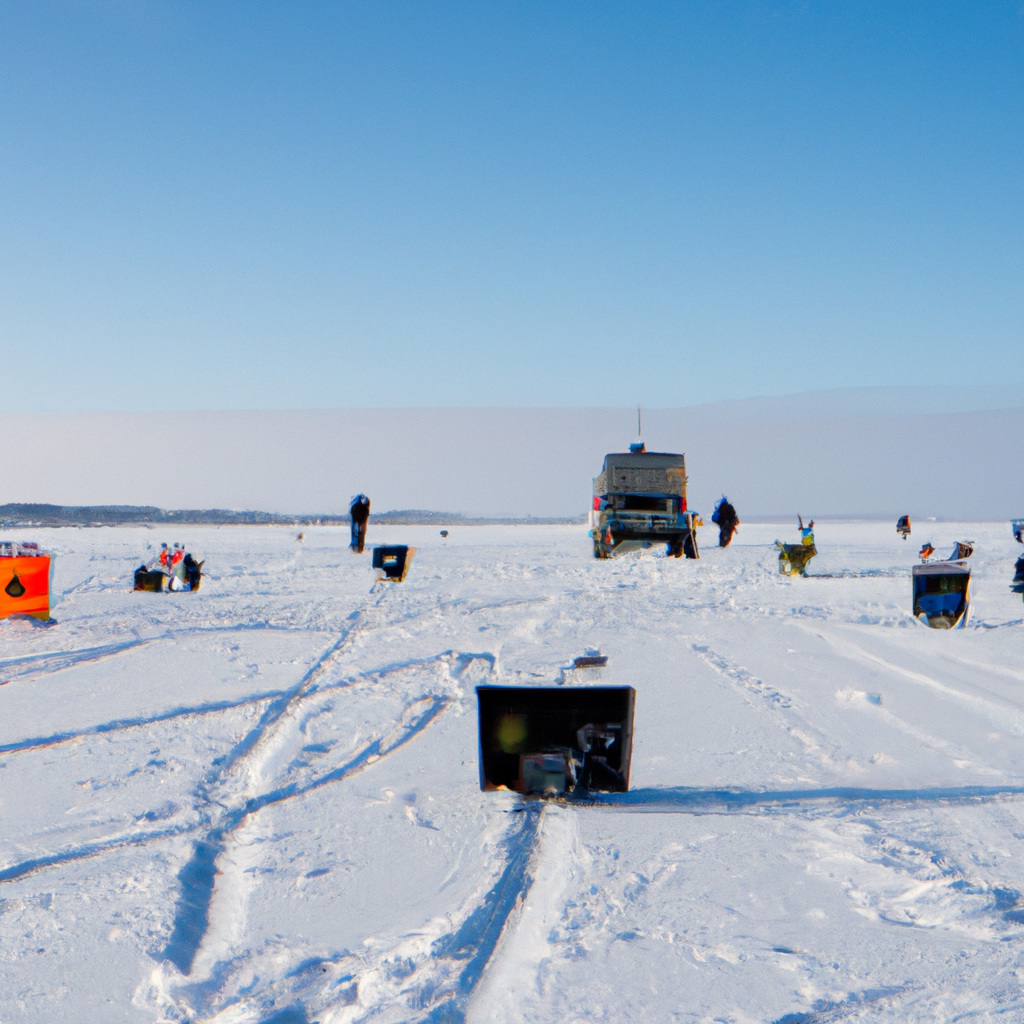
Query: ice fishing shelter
{"points": [[552, 740], [640, 500], [392, 561], [25, 573], [942, 593]]}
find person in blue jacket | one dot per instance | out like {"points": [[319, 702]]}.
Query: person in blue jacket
{"points": [[359, 510]]}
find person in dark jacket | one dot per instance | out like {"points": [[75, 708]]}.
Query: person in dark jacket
{"points": [[193, 572], [359, 510], [725, 516]]}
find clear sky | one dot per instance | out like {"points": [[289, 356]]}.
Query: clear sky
{"points": [[293, 205]]}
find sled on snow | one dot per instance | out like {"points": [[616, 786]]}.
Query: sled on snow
{"points": [[942, 593], [555, 741], [25, 574], [392, 561]]}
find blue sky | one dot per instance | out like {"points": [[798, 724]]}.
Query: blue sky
{"points": [[317, 205]]}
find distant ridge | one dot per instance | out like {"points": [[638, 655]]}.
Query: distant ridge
{"points": [[28, 514]]}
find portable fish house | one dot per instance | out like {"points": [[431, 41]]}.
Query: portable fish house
{"points": [[392, 561], [942, 593], [25, 573], [550, 741]]}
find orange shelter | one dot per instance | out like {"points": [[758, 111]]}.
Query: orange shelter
{"points": [[24, 581]]}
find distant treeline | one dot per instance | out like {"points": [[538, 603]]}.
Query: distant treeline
{"points": [[18, 514]]}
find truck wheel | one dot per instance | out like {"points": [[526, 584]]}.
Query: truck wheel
{"points": [[675, 549]]}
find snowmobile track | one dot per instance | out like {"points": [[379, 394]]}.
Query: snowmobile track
{"points": [[197, 877], [122, 724]]}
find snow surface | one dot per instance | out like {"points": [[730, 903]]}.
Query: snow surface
{"points": [[260, 803]]}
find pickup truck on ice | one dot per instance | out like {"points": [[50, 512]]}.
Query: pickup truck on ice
{"points": [[640, 500]]}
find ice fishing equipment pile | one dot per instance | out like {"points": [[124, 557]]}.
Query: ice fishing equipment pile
{"points": [[794, 558], [553, 741], [174, 569], [25, 573], [640, 500]]}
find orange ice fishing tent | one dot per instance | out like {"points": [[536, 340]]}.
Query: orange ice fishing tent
{"points": [[24, 580]]}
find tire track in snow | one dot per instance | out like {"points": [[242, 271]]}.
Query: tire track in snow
{"points": [[191, 917], [36, 665], [996, 710], [431, 975], [198, 876], [367, 755], [740, 675], [120, 724], [89, 850], [57, 661], [240, 767], [524, 950], [270, 716]]}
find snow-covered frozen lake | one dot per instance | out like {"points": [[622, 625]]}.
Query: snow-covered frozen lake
{"points": [[260, 803]]}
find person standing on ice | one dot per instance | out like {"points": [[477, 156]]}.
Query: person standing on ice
{"points": [[725, 516], [359, 510], [806, 532]]}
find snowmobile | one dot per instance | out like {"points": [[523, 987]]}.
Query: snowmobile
{"points": [[25, 574], [942, 589], [392, 561], [903, 526], [551, 742], [640, 500]]}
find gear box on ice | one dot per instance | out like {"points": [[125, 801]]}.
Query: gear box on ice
{"points": [[549, 741], [640, 500]]}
